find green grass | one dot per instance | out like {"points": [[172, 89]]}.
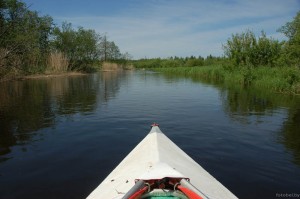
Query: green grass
{"points": [[277, 79]]}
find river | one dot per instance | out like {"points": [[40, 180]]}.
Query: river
{"points": [[60, 137]]}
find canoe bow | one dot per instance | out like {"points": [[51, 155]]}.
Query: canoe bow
{"points": [[157, 157]]}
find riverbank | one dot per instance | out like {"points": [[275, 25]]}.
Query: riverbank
{"points": [[105, 67], [276, 79], [41, 76], [53, 75]]}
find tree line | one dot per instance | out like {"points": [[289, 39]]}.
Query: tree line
{"points": [[244, 50], [31, 43], [177, 62]]}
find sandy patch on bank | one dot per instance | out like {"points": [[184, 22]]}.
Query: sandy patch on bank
{"points": [[42, 76]]}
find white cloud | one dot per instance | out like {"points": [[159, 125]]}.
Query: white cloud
{"points": [[184, 28]]}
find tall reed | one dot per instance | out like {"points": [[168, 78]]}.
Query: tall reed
{"points": [[108, 66], [276, 79], [57, 62]]}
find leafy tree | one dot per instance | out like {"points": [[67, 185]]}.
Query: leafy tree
{"points": [[108, 50], [266, 51], [113, 51], [292, 47], [244, 49], [24, 37], [83, 48], [88, 41], [25, 44], [64, 41], [239, 47], [80, 46]]}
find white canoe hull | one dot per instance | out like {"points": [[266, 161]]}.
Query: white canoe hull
{"points": [[156, 157]]}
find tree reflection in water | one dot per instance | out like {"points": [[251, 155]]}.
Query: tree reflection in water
{"points": [[248, 106], [291, 134], [27, 106]]}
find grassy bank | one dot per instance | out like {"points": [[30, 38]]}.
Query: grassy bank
{"points": [[277, 79]]}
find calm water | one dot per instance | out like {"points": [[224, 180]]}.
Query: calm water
{"points": [[60, 137]]}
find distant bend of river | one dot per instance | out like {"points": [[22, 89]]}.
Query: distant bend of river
{"points": [[60, 137]]}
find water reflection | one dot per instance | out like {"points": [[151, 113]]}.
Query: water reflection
{"points": [[77, 95], [27, 106], [250, 106], [110, 84], [291, 134], [254, 135], [242, 105]]}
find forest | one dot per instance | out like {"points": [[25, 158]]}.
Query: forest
{"points": [[31, 43]]}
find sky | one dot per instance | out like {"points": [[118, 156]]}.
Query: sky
{"points": [[165, 28]]}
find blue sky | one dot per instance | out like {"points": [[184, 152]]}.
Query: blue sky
{"points": [[164, 28]]}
